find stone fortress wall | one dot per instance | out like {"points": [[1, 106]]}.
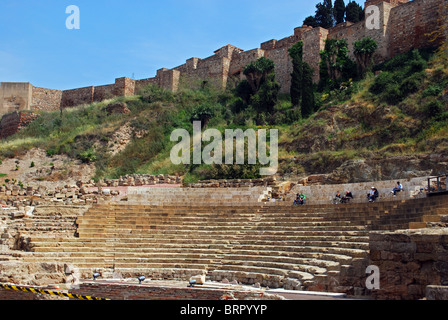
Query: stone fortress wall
{"points": [[403, 26]]}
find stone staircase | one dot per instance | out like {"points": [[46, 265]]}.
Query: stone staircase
{"points": [[311, 247], [274, 246]]}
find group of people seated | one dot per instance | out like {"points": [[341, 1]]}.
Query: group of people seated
{"points": [[342, 198], [372, 196], [300, 199]]}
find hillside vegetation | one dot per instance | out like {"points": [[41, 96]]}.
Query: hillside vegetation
{"points": [[398, 110]]}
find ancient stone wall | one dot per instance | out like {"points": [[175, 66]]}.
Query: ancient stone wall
{"points": [[75, 97], [409, 261], [411, 23], [104, 92], [46, 99], [140, 84], [133, 291]]}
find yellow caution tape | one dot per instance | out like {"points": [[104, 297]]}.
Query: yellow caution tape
{"points": [[49, 292]]}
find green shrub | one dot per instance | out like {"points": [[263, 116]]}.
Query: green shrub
{"points": [[87, 156], [433, 108], [411, 84], [153, 93], [392, 95], [382, 82], [432, 90]]}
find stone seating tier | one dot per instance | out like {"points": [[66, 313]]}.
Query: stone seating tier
{"points": [[294, 247]]}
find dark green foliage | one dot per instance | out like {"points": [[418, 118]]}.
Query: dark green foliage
{"points": [[363, 51], [354, 12], [432, 90], [392, 94], [202, 113], [308, 100], [296, 52], [87, 156], [402, 76], [244, 91], [335, 66], [260, 90], [302, 87], [339, 11], [311, 21], [153, 93], [257, 71], [382, 81], [266, 97], [411, 84], [433, 108], [324, 14]]}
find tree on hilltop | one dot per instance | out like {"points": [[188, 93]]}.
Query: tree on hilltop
{"points": [[339, 11], [324, 14], [354, 12], [311, 21]]}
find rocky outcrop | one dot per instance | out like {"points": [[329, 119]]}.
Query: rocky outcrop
{"points": [[117, 108]]}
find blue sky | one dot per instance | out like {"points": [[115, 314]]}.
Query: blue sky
{"points": [[132, 38]]}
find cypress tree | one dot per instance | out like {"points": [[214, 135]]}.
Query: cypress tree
{"points": [[354, 12], [308, 102], [296, 52], [324, 14], [339, 11]]}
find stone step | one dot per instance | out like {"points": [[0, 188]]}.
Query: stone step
{"points": [[161, 265], [431, 218], [340, 255], [271, 280], [290, 263], [233, 239], [241, 273], [171, 273], [78, 261], [223, 229]]}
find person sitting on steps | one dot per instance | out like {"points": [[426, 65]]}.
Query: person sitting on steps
{"points": [[296, 200], [346, 198], [373, 194], [337, 198], [398, 188], [302, 199]]}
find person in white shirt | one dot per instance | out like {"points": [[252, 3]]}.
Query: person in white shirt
{"points": [[398, 188]]}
